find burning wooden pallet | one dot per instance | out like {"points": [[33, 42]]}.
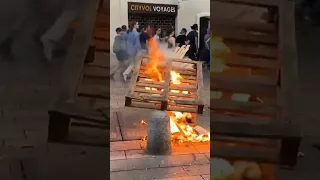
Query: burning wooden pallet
{"points": [[78, 115], [253, 113], [185, 96]]}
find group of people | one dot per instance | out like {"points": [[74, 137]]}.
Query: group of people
{"points": [[133, 41]]}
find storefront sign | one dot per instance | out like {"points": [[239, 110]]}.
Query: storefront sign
{"points": [[134, 7]]}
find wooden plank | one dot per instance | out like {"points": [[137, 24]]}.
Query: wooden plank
{"points": [[247, 154], [164, 103], [289, 62], [255, 26], [245, 79], [253, 51], [250, 62], [239, 118], [74, 110], [200, 88], [92, 103], [261, 90], [269, 131], [244, 35], [102, 46], [96, 72], [94, 91], [101, 60], [237, 106]]}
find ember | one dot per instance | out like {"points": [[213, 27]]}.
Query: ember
{"points": [[143, 122]]}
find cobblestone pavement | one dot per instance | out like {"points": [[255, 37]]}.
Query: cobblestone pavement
{"points": [[187, 161]]}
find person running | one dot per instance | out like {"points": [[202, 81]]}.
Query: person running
{"points": [[171, 40], [144, 37], [157, 35], [182, 38], [192, 40], [119, 48], [133, 47]]}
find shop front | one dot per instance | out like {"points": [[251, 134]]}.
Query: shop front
{"points": [[156, 15]]}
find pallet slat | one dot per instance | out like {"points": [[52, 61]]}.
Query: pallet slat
{"points": [[142, 95]]}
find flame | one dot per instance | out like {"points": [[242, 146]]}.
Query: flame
{"points": [[180, 122], [175, 77], [143, 122], [181, 118], [156, 57]]}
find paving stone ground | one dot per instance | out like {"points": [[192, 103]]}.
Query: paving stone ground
{"points": [[128, 160]]}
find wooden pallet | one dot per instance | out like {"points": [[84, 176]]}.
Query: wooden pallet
{"points": [[143, 93], [262, 64], [80, 113]]}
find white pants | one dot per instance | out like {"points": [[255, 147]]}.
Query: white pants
{"points": [[60, 27], [131, 66]]}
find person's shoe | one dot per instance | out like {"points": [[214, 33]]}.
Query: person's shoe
{"points": [[125, 77], [48, 47]]}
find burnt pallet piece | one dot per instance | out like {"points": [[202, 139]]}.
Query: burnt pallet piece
{"points": [[184, 97], [80, 114], [262, 65]]}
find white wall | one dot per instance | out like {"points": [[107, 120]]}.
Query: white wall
{"points": [[187, 13]]}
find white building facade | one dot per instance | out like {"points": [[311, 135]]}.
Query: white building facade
{"points": [[175, 14]]}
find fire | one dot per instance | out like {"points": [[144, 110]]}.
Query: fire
{"points": [[156, 57], [143, 122], [181, 123], [175, 77]]}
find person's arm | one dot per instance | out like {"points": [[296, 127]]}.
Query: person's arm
{"points": [[173, 43], [188, 39]]}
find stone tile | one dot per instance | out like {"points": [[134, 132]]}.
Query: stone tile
{"points": [[116, 155], [203, 147], [132, 164], [155, 173], [183, 148], [184, 178], [158, 161], [182, 160], [197, 170], [115, 134], [124, 145], [132, 154], [130, 122], [208, 155], [206, 177]]}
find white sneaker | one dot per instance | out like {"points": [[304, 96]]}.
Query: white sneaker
{"points": [[48, 49], [125, 76]]}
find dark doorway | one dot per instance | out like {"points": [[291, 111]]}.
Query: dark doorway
{"points": [[204, 24]]}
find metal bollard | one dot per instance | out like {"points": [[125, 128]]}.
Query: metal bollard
{"points": [[159, 134]]}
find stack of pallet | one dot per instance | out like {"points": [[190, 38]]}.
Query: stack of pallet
{"points": [[253, 113], [78, 115]]}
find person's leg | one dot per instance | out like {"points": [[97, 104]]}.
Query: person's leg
{"points": [[129, 69], [56, 32]]}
